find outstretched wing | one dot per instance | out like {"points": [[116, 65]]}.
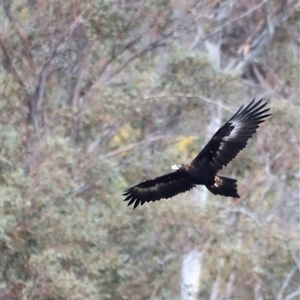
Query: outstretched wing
{"points": [[232, 137], [165, 186]]}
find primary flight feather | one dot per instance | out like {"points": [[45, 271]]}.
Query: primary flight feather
{"points": [[223, 147]]}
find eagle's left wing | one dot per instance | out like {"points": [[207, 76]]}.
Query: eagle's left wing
{"points": [[232, 137]]}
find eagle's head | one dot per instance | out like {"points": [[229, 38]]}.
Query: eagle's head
{"points": [[176, 167]]}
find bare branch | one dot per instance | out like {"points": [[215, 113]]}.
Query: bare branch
{"points": [[5, 160], [214, 102], [133, 145], [286, 283], [244, 211], [293, 295], [27, 49], [216, 284], [151, 46], [160, 284], [38, 94], [14, 70], [259, 38], [87, 188], [243, 15]]}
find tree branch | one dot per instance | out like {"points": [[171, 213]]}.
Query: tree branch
{"points": [[133, 145]]}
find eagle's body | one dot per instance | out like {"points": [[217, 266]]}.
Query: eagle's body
{"points": [[223, 147]]}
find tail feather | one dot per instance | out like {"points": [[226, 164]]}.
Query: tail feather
{"points": [[224, 186]]}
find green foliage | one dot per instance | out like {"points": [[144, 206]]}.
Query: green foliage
{"points": [[112, 110]]}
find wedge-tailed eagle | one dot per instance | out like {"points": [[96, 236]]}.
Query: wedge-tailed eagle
{"points": [[223, 147]]}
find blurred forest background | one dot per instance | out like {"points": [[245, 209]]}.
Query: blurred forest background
{"points": [[98, 95]]}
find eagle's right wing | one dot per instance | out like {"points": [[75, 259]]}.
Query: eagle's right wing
{"points": [[165, 186]]}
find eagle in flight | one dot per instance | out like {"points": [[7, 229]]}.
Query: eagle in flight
{"points": [[223, 147]]}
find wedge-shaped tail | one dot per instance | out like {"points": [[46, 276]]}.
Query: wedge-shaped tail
{"points": [[224, 186]]}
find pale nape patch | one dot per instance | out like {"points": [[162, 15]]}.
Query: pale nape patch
{"points": [[175, 167]]}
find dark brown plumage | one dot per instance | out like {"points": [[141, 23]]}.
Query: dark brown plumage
{"points": [[223, 147]]}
